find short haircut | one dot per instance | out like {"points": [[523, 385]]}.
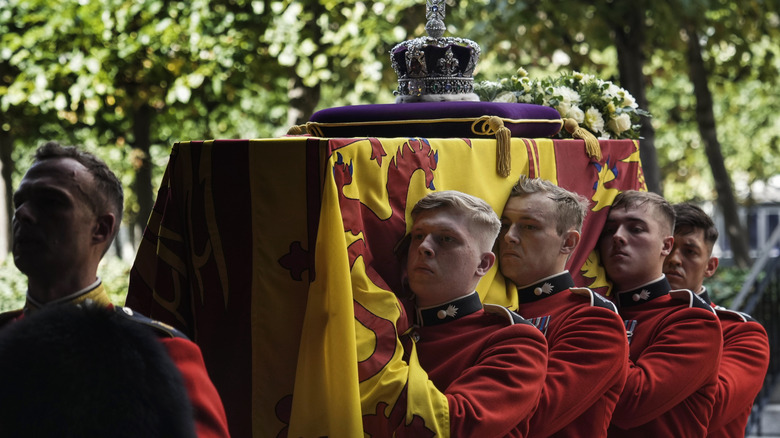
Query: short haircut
{"points": [[481, 217], [81, 371], [108, 193], [691, 217], [635, 198], [572, 207]]}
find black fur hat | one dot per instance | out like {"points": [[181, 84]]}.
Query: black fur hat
{"points": [[86, 371]]}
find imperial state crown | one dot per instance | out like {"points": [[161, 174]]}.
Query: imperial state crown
{"points": [[435, 68]]}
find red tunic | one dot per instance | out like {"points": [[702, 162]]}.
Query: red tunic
{"points": [[587, 358], [743, 367], [210, 418], [490, 369], [675, 347]]}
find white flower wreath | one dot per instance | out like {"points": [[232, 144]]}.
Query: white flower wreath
{"points": [[606, 110]]}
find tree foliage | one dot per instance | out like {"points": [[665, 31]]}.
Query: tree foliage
{"points": [[128, 78]]}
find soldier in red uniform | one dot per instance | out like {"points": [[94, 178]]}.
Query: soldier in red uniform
{"points": [[68, 210], [745, 359], [489, 362], [586, 339], [674, 336]]}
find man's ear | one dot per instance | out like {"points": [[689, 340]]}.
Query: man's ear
{"points": [[712, 266], [668, 244], [486, 261], [104, 228], [571, 239]]}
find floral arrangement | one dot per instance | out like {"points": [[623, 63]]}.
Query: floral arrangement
{"points": [[602, 107]]}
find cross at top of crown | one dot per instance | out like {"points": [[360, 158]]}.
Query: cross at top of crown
{"points": [[434, 13]]}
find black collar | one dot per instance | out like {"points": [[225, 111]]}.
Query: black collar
{"points": [[545, 287], [644, 294], [705, 296], [449, 311]]}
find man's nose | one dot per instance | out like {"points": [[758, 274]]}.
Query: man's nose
{"points": [[24, 213], [673, 259], [511, 235], [426, 246], [619, 236]]}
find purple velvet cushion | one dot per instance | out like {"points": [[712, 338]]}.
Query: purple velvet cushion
{"points": [[435, 120]]}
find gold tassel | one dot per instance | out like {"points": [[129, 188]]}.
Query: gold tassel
{"points": [[495, 125], [297, 130], [592, 146], [503, 146], [310, 128], [314, 129]]}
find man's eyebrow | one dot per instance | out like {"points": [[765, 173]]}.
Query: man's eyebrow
{"points": [[24, 190], [627, 219]]}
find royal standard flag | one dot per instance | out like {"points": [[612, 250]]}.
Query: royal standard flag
{"points": [[276, 257]]}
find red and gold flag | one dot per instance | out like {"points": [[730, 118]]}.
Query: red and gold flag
{"points": [[276, 256]]}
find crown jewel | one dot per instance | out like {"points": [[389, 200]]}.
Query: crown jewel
{"points": [[435, 68]]}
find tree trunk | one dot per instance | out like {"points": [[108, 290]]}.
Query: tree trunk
{"points": [[7, 170], [142, 185], [629, 42], [706, 121], [303, 100]]}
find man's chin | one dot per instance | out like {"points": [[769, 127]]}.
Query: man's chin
{"points": [[676, 282], [511, 266], [26, 261]]}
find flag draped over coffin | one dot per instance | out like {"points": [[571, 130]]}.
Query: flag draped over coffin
{"points": [[277, 257]]}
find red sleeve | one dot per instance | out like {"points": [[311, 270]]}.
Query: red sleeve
{"points": [[210, 418], [743, 367], [682, 358], [584, 363], [502, 389]]}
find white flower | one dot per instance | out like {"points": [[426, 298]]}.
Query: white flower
{"points": [[506, 96], [612, 91], [526, 83], [525, 98], [575, 113], [521, 72], [628, 99], [568, 96], [593, 120], [563, 108], [619, 124]]}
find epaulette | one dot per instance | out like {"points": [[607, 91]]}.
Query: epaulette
{"points": [[162, 329], [513, 317], [691, 298], [733, 314], [596, 299]]}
